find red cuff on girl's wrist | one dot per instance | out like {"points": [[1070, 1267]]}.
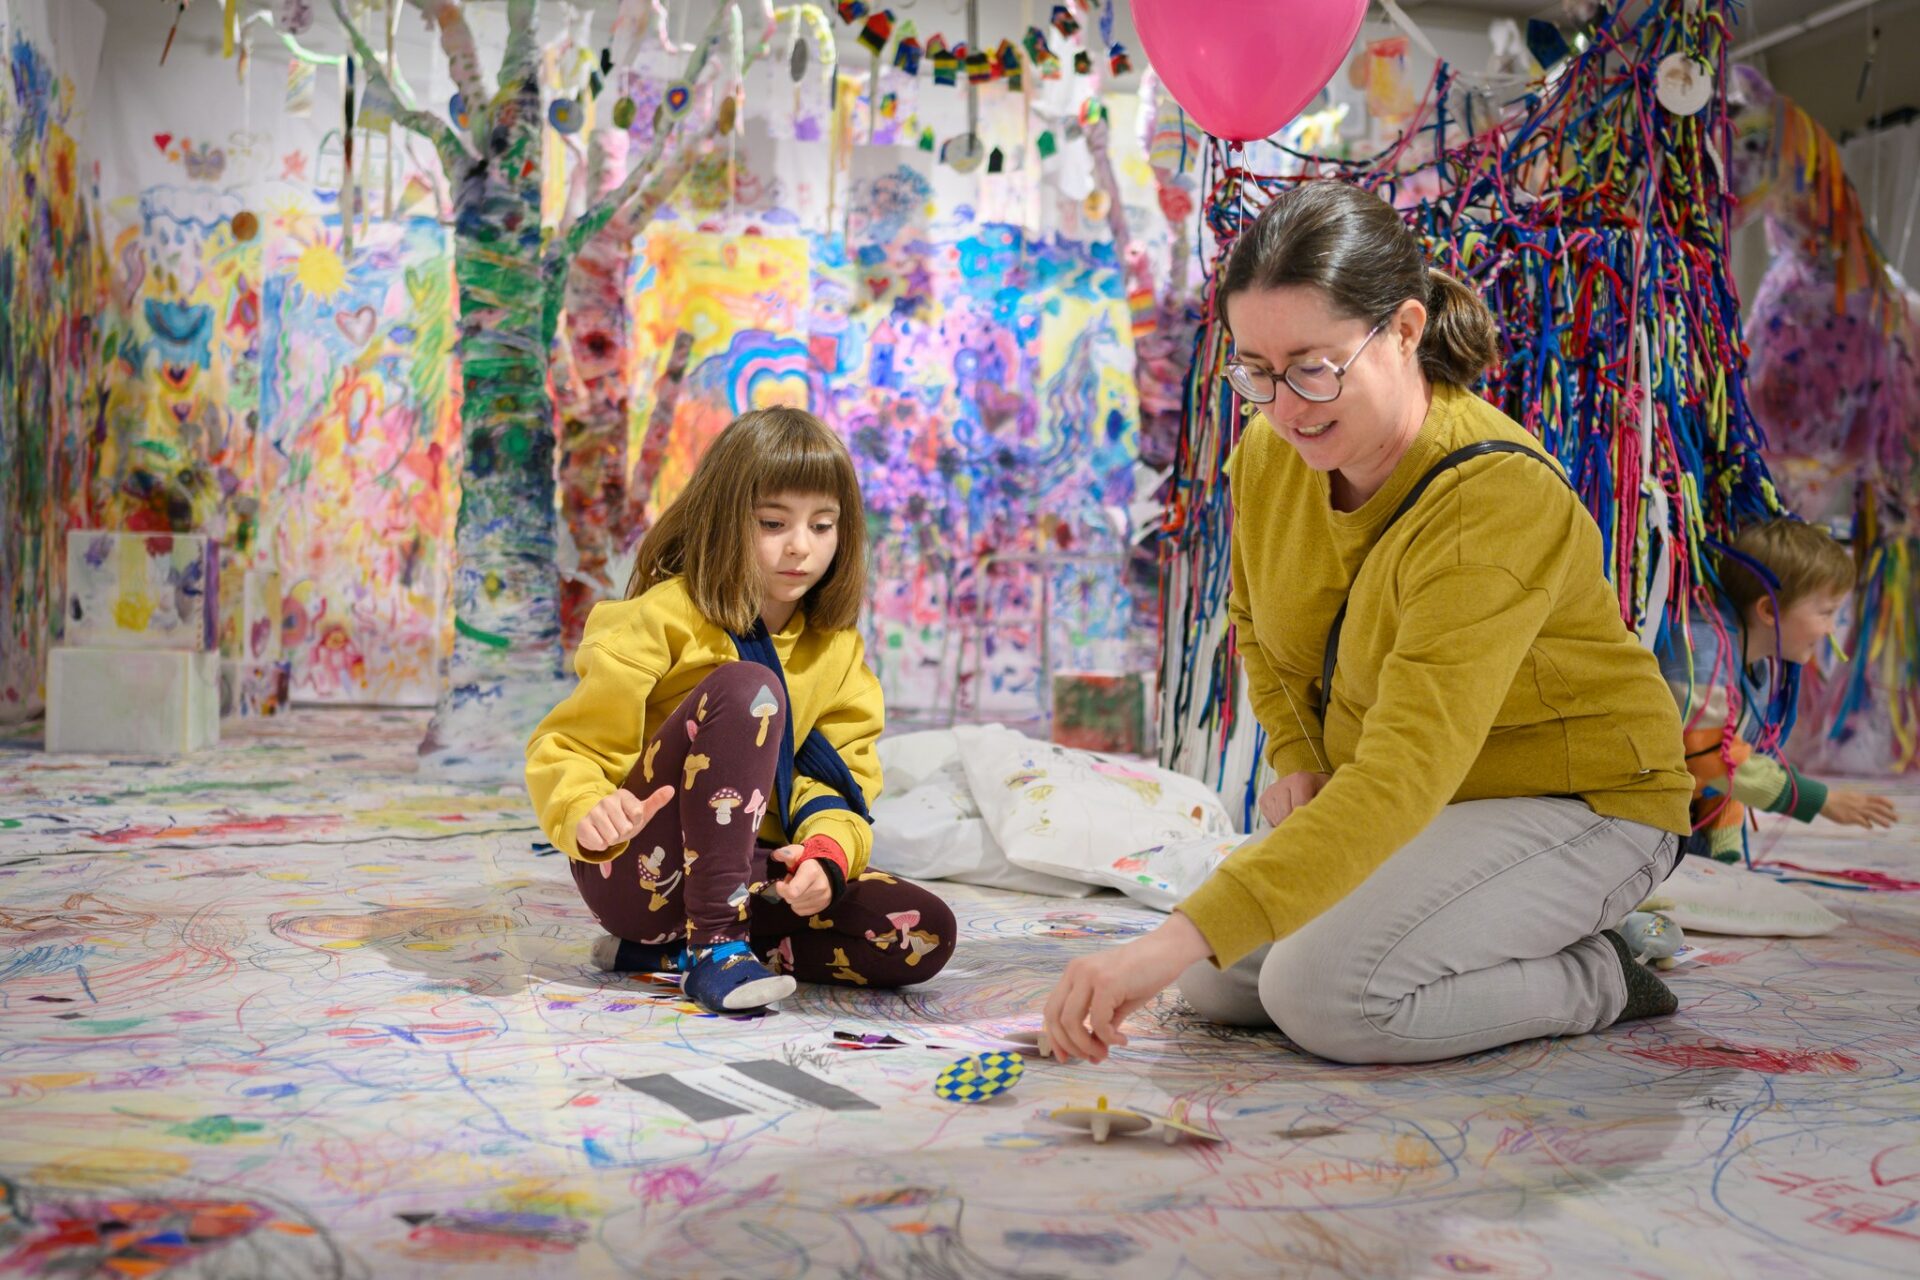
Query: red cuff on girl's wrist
{"points": [[825, 847]]}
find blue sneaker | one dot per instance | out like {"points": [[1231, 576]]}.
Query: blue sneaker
{"points": [[617, 955], [728, 977]]}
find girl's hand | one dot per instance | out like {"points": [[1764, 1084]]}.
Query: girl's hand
{"points": [[618, 818], [1098, 992], [1858, 809], [807, 890], [1288, 794]]}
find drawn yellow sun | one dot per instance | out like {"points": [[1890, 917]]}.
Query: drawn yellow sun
{"points": [[320, 271]]}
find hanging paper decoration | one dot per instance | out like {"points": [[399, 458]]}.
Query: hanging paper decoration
{"points": [[878, 31], [1684, 84], [293, 16], [1039, 52], [1090, 111], [1083, 63], [1063, 20], [1046, 145], [679, 97], [946, 64], [1545, 43], [906, 55], [996, 161], [1140, 305], [926, 140], [979, 67], [623, 113], [1117, 59], [565, 115], [1007, 62], [852, 11]]}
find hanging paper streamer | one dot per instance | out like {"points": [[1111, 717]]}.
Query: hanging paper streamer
{"points": [[300, 77], [1580, 241]]}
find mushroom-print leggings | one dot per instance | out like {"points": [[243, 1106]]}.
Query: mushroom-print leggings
{"points": [[697, 871]]}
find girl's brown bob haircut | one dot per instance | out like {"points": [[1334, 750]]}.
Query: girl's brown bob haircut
{"points": [[706, 535]]}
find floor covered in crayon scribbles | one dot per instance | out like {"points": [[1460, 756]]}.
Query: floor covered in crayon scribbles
{"points": [[282, 1010]]}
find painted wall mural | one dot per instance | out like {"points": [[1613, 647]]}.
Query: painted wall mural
{"points": [[49, 278]]}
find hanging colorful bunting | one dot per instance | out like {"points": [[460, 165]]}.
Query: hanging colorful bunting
{"points": [[946, 64], [1063, 20], [1117, 59], [979, 67], [852, 10], [878, 31], [926, 140], [1006, 61], [1039, 52], [1046, 145], [906, 56], [1083, 63]]}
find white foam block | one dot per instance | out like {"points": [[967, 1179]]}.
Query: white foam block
{"points": [[132, 702], [141, 590]]}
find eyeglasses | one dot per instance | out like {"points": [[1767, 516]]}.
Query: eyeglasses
{"points": [[1314, 380]]}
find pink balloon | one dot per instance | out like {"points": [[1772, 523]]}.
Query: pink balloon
{"points": [[1243, 69]]}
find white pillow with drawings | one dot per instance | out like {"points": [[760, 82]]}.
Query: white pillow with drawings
{"points": [[1070, 813], [927, 827]]}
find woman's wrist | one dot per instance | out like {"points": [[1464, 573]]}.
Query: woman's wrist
{"points": [[1183, 939]]}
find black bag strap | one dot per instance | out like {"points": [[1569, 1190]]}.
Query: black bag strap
{"points": [[1478, 449]]}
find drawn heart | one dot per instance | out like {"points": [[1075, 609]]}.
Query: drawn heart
{"points": [[878, 285], [162, 140], [357, 325]]}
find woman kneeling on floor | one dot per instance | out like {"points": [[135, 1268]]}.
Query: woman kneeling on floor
{"points": [[1480, 768]]}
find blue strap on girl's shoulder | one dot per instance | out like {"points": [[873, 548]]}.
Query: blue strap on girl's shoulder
{"points": [[815, 758]]}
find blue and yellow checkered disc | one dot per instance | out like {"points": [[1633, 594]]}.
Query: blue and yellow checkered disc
{"points": [[978, 1078]]}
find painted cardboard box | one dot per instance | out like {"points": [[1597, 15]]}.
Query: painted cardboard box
{"points": [[141, 591]]}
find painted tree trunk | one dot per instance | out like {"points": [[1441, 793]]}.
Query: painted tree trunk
{"points": [[600, 516], [505, 666]]}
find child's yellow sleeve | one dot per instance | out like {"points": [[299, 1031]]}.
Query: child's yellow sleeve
{"points": [[586, 746]]}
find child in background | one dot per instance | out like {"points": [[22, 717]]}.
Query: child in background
{"points": [[678, 747], [1773, 626]]}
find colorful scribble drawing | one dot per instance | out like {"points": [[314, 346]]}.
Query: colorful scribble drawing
{"points": [[359, 412], [283, 1010], [51, 269]]}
